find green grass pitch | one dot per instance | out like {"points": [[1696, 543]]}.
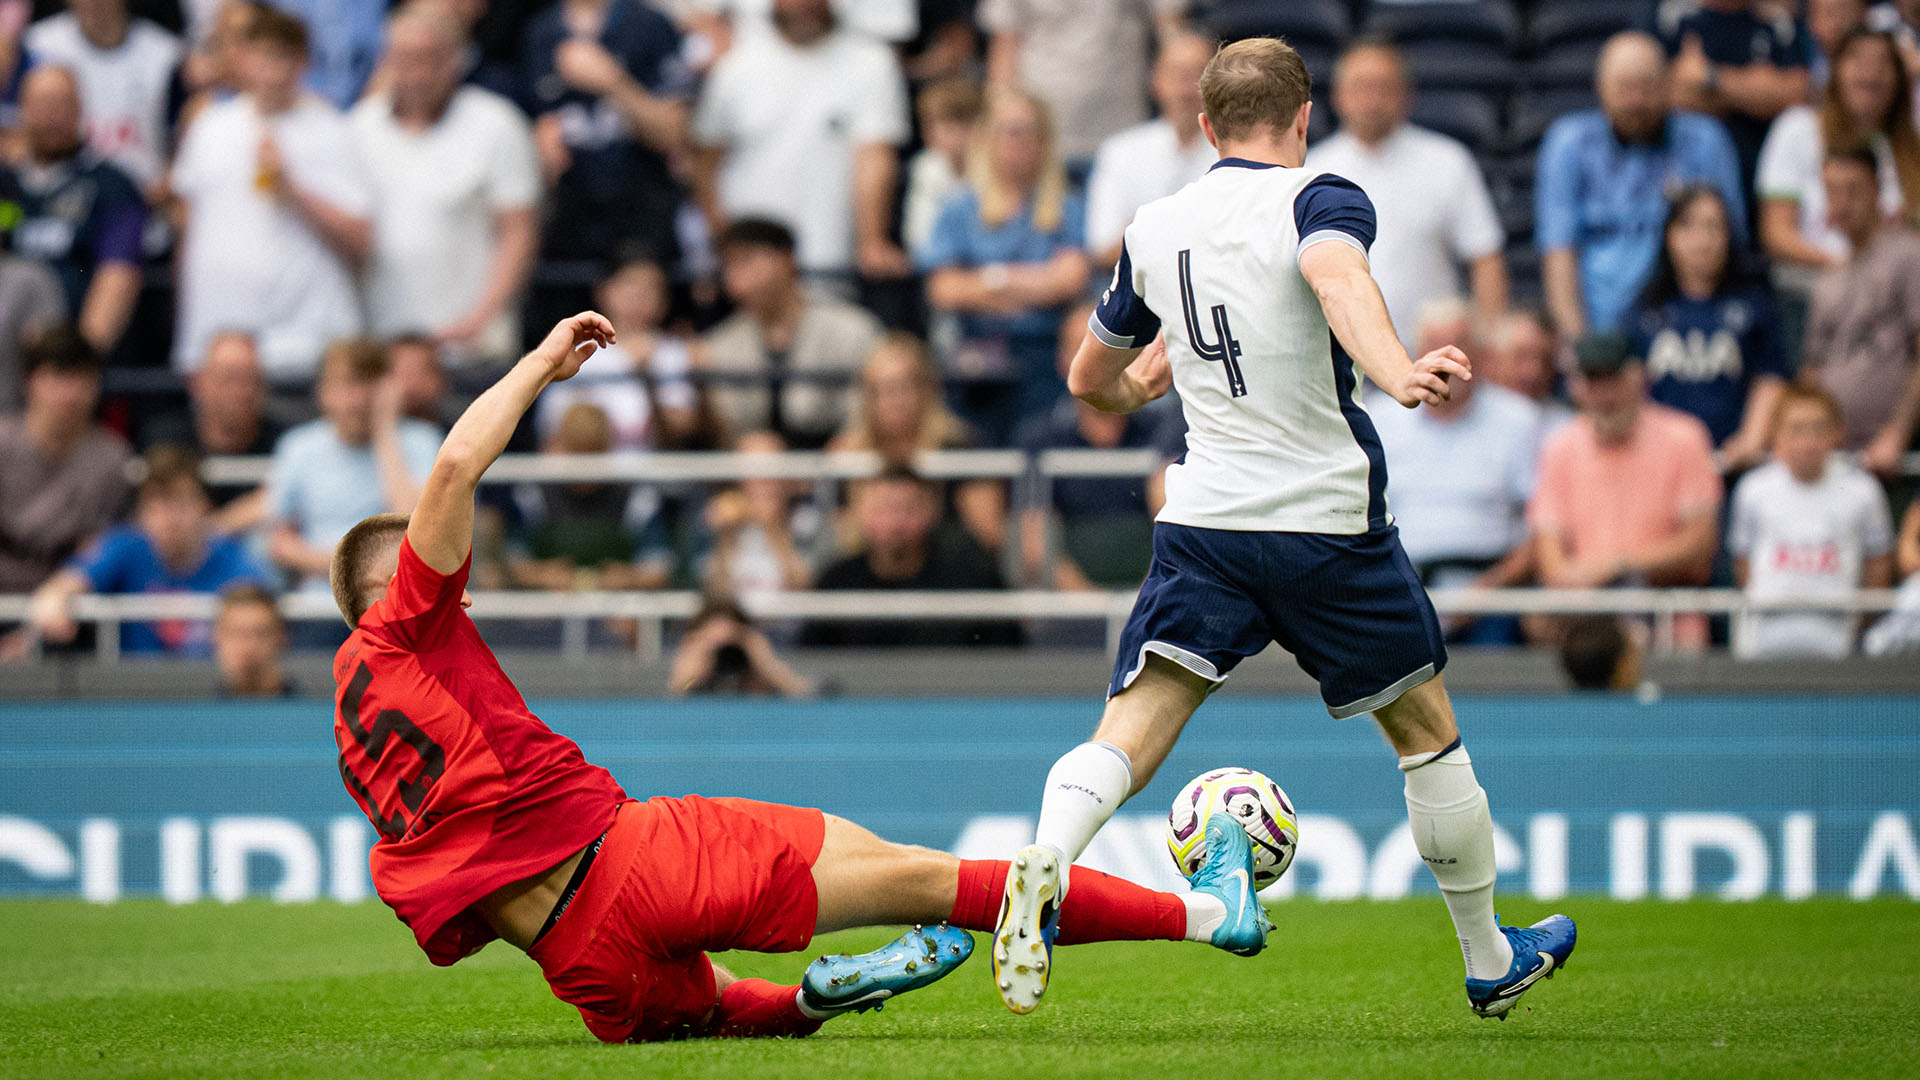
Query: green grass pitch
{"points": [[1826, 988]]}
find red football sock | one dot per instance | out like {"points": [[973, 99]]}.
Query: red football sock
{"points": [[1099, 907], [757, 1009]]}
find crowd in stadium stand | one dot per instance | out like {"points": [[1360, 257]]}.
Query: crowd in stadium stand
{"points": [[1677, 240]]}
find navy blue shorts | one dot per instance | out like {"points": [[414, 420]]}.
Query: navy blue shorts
{"points": [[1349, 608]]}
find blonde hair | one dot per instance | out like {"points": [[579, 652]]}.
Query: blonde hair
{"points": [[939, 429], [999, 203], [1253, 83]]}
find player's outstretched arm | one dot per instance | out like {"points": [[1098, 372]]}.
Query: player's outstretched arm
{"points": [[441, 531], [1357, 313]]}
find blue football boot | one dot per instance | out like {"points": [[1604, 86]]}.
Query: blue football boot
{"points": [[923, 955], [1029, 921], [1539, 952], [1227, 873]]}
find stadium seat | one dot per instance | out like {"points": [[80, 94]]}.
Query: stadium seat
{"points": [[1566, 66], [1534, 111], [1460, 65], [1467, 115], [1510, 182], [1323, 23], [1563, 22], [1485, 22]]}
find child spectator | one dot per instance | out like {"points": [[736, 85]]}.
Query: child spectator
{"points": [[590, 535], [1807, 526], [249, 643], [170, 547], [948, 111], [642, 382], [760, 531]]}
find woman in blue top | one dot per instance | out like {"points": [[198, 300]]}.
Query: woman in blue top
{"points": [[1005, 259], [1709, 330]]}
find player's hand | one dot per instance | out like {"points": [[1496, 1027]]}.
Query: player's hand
{"points": [[571, 341], [1426, 381], [1152, 371]]}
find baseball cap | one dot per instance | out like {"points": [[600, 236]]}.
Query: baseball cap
{"points": [[1602, 354]]}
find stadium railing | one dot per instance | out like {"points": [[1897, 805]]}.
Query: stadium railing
{"points": [[654, 612]]}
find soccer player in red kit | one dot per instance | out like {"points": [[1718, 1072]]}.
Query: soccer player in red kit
{"points": [[493, 826]]}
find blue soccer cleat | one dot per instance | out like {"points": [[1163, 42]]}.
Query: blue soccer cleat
{"points": [[1029, 921], [1227, 872], [842, 984], [1539, 952]]}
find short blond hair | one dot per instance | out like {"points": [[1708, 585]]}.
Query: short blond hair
{"points": [[351, 555], [1253, 83]]}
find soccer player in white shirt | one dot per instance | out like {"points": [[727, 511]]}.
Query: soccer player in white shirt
{"points": [[1275, 526], [1809, 525]]}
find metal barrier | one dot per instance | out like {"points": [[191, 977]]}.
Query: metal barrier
{"points": [[653, 611]]}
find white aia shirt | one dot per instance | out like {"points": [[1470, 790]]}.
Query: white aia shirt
{"points": [[1804, 541], [123, 90], [1277, 440]]}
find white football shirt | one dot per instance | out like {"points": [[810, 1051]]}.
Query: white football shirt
{"points": [[1277, 439], [123, 90], [1805, 541]]}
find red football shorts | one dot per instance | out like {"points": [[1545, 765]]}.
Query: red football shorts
{"points": [[674, 880]]}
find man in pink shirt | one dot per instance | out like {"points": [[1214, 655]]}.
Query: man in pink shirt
{"points": [[1627, 491]]}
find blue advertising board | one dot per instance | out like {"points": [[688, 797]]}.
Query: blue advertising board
{"points": [[1735, 797]]}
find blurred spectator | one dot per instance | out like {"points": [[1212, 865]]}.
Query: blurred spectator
{"points": [[125, 67], [1007, 256], [1601, 183], [1519, 355], [249, 643], [420, 380], [948, 110], [169, 547], [590, 535], [796, 345], [78, 214], [31, 299], [275, 204], [1463, 471], [760, 530], [945, 44], [1901, 18], [359, 459], [1435, 212], [1099, 527], [1157, 158], [1807, 526], [1741, 64], [211, 71], [456, 193], [1088, 62], [729, 22], [227, 414], [1627, 493], [723, 652], [608, 90], [1863, 327], [1598, 653], [346, 40], [642, 381], [1867, 104], [902, 413], [802, 126], [1828, 21], [1709, 332], [63, 477], [903, 548]]}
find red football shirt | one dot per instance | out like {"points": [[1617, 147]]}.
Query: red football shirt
{"points": [[468, 789]]}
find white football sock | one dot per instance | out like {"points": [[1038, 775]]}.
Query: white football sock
{"points": [[1453, 831], [1083, 790], [1206, 913]]}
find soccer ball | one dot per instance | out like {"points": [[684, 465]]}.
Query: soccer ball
{"points": [[1256, 803]]}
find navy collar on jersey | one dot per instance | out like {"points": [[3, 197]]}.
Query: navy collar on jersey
{"points": [[1241, 163]]}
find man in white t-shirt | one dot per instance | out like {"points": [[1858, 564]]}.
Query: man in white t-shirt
{"points": [[1809, 525], [125, 67], [1463, 471], [1087, 61], [1435, 213], [277, 213], [456, 190], [1155, 159], [802, 126]]}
